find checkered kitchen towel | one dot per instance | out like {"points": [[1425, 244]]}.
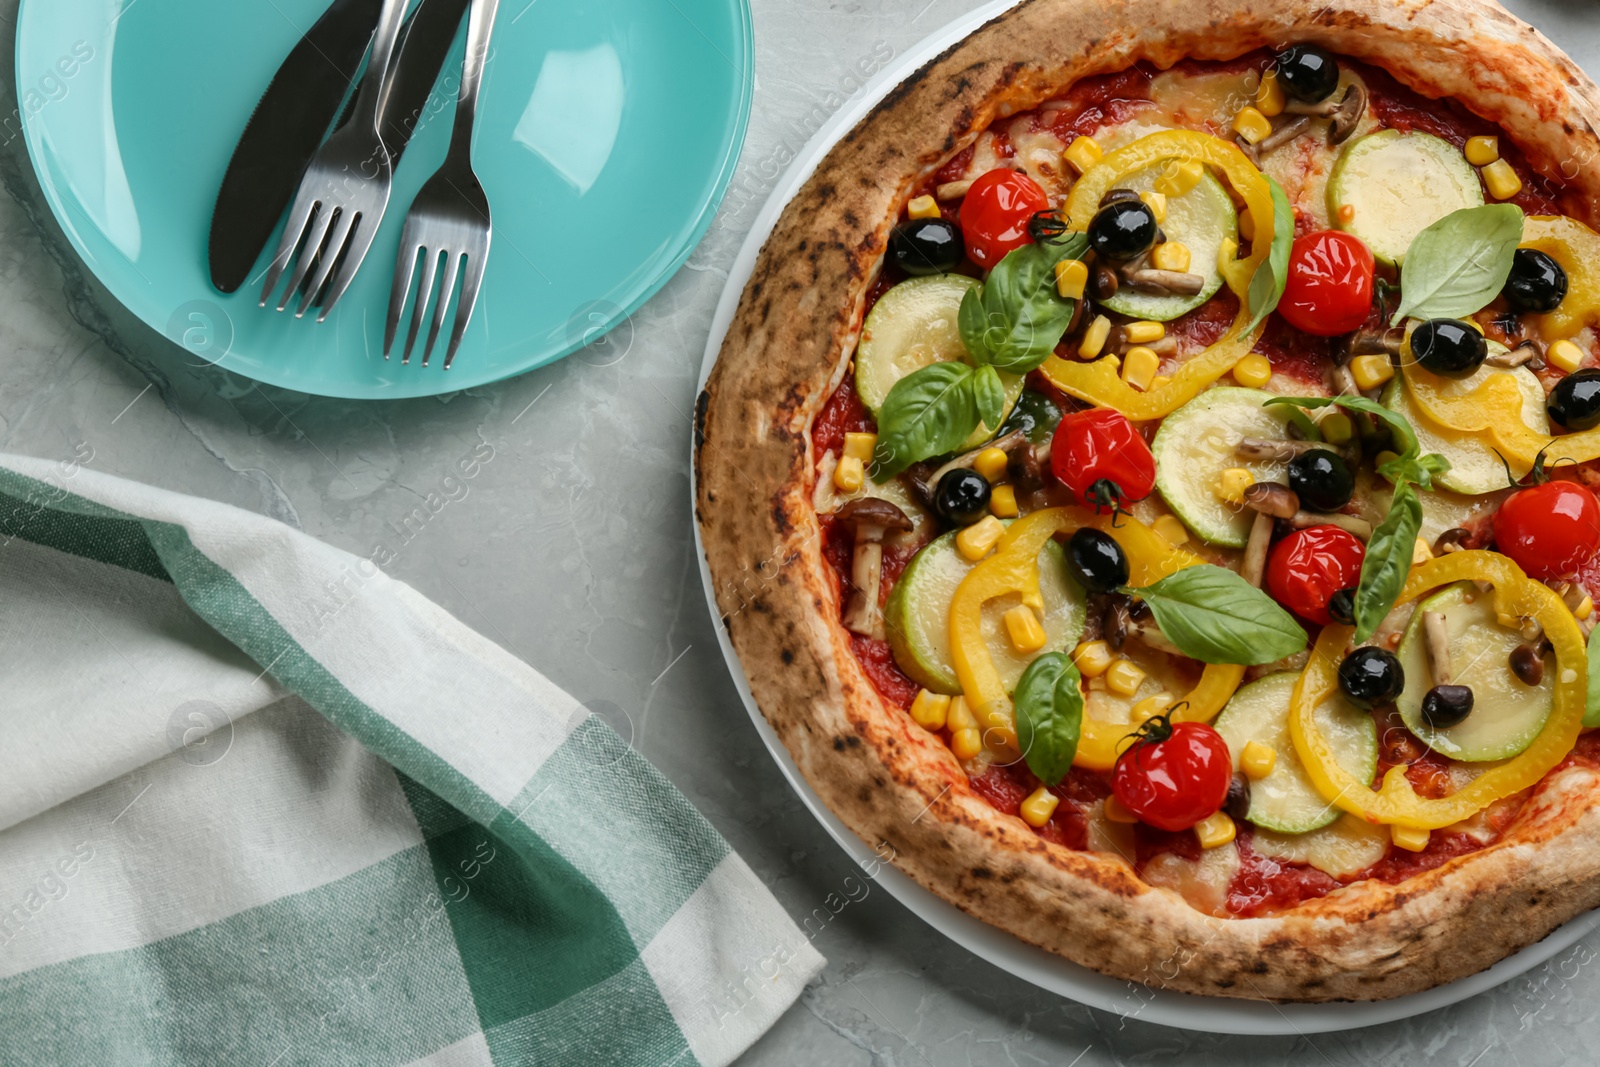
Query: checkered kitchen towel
{"points": [[260, 804]]}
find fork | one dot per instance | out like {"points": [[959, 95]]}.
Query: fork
{"points": [[449, 219], [345, 190]]}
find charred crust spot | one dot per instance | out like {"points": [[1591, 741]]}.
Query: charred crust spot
{"points": [[855, 742], [702, 405], [838, 744], [1259, 967], [788, 657]]}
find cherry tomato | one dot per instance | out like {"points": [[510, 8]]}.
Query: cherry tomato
{"points": [[1100, 457], [1175, 775], [1329, 291], [995, 214], [1549, 530], [1309, 566]]}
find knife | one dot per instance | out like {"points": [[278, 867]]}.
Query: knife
{"points": [[294, 114]]}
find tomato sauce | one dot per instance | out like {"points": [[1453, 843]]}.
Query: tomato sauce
{"points": [[1262, 885]]}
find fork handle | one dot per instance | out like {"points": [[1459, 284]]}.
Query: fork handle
{"points": [[375, 83], [480, 27]]}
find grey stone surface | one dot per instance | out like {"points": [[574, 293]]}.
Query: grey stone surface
{"points": [[573, 549]]}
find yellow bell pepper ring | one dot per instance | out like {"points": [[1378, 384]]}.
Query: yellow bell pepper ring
{"points": [[1014, 569], [1098, 382], [1577, 248], [1395, 802], [1492, 412]]}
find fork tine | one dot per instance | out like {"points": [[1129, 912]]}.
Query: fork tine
{"points": [[316, 233], [404, 270], [338, 234], [355, 252], [470, 284], [447, 292], [430, 266], [293, 230]]}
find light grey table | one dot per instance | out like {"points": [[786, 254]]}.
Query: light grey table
{"points": [[573, 549]]}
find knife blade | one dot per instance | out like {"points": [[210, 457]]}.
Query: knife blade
{"points": [[284, 132]]}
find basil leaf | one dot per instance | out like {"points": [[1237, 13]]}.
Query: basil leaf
{"points": [[1267, 285], [1591, 716], [1459, 264], [990, 395], [1016, 317], [1420, 470], [1215, 616], [928, 412], [1388, 560], [1049, 707]]}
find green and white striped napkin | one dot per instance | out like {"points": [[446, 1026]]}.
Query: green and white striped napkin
{"points": [[261, 804]]}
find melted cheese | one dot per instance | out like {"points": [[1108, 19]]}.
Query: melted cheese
{"points": [[1203, 883]]}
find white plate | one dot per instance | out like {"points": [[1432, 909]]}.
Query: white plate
{"points": [[1129, 999]]}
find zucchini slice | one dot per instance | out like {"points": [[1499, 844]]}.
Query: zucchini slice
{"points": [[1285, 800], [1196, 443], [1475, 468], [1506, 715], [912, 325], [1201, 220], [1390, 186], [917, 616]]}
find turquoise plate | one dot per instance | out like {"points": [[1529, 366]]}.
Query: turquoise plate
{"points": [[607, 133]]}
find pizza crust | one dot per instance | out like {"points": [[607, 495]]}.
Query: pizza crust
{"points": [[894, 783]]}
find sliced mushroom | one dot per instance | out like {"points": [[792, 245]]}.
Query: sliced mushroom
{"points": [[1115, 196], [1282, 133], [1255, 550], [1116, 621], [952, 190], [1452, 540], [1438, 639], [1527, 663], [1360, 529], [1103, 285], [1528, 352], [1346, 112], [868, 518], [1272, 498], [1261, 448], [1164, 282], [1344, 382], [1372, 341], [1118, 344], [1011, 441]]}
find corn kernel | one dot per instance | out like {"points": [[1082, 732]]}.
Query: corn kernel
{"points": [[1175, 532], [960, 716], [1336, 427], [849, 475], [1178, 178], [1409, 837], [991, 463], [1482, 151], [1092, 658], [966, 744], [1502, 180], [1173, 256], [1071, 277], [1371, 371], [1094, 338], [1252, 125], [1024, 629], [1247, 225], [1003, 502], [1269, 98], [1231, 484], [930, 710], [1215, 830], [1115, 812], [1124, 677], [1149, 708], [860, 445], [1139, 366], [1584, 609], [923, 207], [1253, 371], [1420, 553], [1565, 355], [1257, 759], [1142, 333], [1156, 203], [977, 540], [1083, 153], [1040, 805]]}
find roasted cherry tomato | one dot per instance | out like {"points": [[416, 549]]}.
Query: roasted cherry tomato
{"points": [[1329, 291], [1174, 775], [1309, 566], [1102, 460], [1549, 530], [995, 214]]}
